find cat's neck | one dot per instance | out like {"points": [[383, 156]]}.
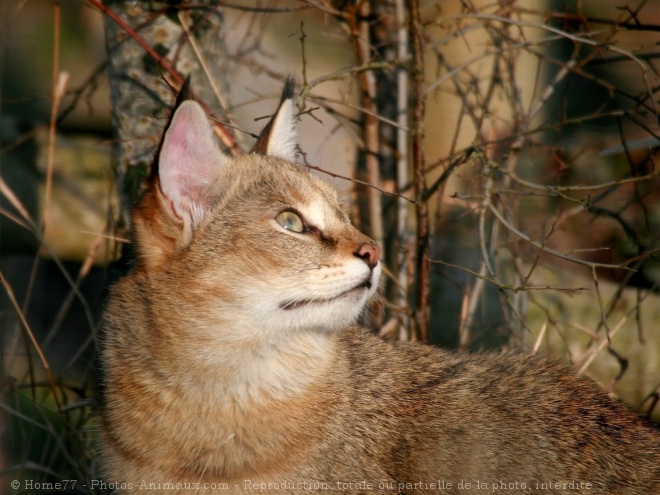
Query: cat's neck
{"points": [[249, 362], [277, 369]]}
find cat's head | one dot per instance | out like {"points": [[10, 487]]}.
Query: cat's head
{"points": [[257, 237]]}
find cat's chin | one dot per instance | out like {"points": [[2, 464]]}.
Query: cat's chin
{"points": [[356, 293]]}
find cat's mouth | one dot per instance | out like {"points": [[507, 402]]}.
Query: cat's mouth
{"points": [[298, 303]]}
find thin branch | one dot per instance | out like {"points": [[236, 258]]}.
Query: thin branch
{"points": [[362, 183], [28, 331], [419, 168], [346, 71], [361, 42], [59, 83], [575, 188], [402, 143], [548, 250], [507, 287]]}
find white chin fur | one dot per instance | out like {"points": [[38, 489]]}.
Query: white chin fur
{"points": [[330, 309], [335, 307], [329, 314]]}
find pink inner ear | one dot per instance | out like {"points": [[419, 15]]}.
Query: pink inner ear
{"points": [[189, 160], [179, 136]]}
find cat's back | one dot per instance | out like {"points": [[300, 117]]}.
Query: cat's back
{"points": [[496, 419]]}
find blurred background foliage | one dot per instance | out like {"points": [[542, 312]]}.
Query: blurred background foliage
{"points": [[538, 177]]}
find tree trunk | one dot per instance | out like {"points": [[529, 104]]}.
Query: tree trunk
{"points": [[150, 52]]}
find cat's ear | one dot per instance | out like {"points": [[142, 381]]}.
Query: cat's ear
{"points": [[189, 162], [182, 185], [279, 136]]}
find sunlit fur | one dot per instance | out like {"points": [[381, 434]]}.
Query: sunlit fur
{"points": [[230, 357]]}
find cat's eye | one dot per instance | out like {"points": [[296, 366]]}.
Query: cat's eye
{"points": [[291, 221]]}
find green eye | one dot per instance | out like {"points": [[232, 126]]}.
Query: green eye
{"points": [[291, 221]]}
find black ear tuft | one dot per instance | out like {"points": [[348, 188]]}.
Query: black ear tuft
{"points": [[184, 93], [289, 88]]}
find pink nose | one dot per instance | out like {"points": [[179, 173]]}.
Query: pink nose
{"points": [[369, 252]]}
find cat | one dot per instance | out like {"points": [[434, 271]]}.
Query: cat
{"points": [[232, 362]]}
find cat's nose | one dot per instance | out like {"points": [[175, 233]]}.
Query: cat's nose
{"points": [[369, 252]]}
